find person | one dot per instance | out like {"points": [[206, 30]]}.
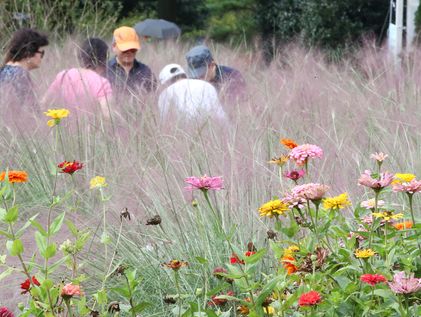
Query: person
{"points": [[24, 53], [83, 88], [227, 80], [191, 97], [125, 72]]}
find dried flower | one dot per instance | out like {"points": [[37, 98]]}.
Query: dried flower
{"points": [[366, 179], [314, 261], [338, 202], [379, 157], [288, 143], [403, 284], [154, 221], [309, 299], [280, 161], [15, 176], [56, 115], [26, 286], [70, 290], [113, 307], [403, 225], [98, 182], [169, 299], [273, 208], [175, 264], [310, 191], [204, 183], [243, 310], [370, 203], [70, 167], [302, 153], [364, 253], [5, 312], [372, 279], [294, 174], [124, 213], [271, 234]]}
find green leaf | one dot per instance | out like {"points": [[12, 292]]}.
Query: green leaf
{"points": [[122, 291], [21, 231], [72, 227], [277, 250], [15, 247], [57, 223], [140, 307], [41, 242], [255, 257], [11, 215], [267, 290], [37, 225], [6, 234], [50, 251], [6, 273], [201, 260]]}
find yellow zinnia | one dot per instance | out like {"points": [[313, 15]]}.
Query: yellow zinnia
{"points": [[273, 208], [291, 250], [280, 161], [339, 202], [364, 253], [98, 182], [56, 115], [387, 215], [403, 178], [269, 310]]}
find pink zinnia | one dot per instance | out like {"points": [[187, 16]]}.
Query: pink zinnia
{"points": [[302, 153], [372, 279], [376, 184], [402, 284], [309, 299], [70, 290], [310, 191], [379, 157], [293, 200], [204, 183], [5, 312], [369, 204], [294, 174], [411, 187]]}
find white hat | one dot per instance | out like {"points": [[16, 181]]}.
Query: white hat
{"points": [[169, 72]]}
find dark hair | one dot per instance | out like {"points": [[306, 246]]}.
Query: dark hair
{"points": [[93, 53], [24, 43]]}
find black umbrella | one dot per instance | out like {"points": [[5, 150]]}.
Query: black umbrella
{"points": [[161, 29]]}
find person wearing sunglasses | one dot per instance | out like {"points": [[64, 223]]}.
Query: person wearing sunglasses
{"points": [[24, 53], [125, 72]]}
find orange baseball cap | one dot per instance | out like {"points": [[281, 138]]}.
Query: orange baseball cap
{"points": [[126, 38]]}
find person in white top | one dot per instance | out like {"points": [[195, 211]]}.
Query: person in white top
{"points": [[191, 97]]}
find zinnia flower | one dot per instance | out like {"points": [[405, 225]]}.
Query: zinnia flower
{"points": [[403, 178], [376, 184], [302, 153], [70, 290], [403, 284], [15, 176], [56, 115], [204, 183], [70, 167], [372, 279], [98, 182], [291, 250], [387, 215], [294, 174], [280, 161], [403, 225], [5, 312], [273, 208], [411, 187], [175, 264], [218, 271], [288, 262], [338, 202], [288, 143], [370, 204], [234, 259], [294, 201], [310, 191], [364, 253], [379, 157], [309, 299], [216, 301], [26, 286]]}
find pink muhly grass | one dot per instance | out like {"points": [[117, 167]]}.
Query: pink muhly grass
{"points": [[294, 174], [403, 284], [302, 153], [310, 191], [377, 184], [411, 187], [204, 183]]}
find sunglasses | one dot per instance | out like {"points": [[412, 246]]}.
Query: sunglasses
{"points": [[42, 53]]}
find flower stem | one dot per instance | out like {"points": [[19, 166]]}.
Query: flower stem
{"points": [[376, 200], [411, 209], [177, 286]]}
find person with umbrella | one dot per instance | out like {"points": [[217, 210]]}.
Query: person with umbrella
{"points": [[125, 72]]}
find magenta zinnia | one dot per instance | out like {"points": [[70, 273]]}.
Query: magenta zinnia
{"points": [[372, 279], [204, 183], [5, 312], [377, 184], [403, 284], [310, 191], [302, 153], [294, 174]]}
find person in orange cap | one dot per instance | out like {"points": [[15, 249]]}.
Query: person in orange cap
{"points": [[125, 72]]}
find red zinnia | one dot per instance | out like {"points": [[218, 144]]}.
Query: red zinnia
{"points": [[70, 167], [372, 279], [219, 301], [309, 299], [26, 286], [234, 259]]}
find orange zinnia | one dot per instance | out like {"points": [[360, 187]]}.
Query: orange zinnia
{"points": [[403, 225], [288, 143], [15, 176], [288, 264]]}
